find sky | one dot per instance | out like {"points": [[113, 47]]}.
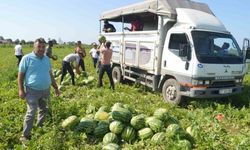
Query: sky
{"points": [[73, 20]]}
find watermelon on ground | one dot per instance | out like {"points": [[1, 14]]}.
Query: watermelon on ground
{"points": [[87, 125], [70, 122], [158, 137], [122, 114], [128, 134], [101, 129], [145, 133], [102, 116], [116, 127], [138, 122], [110, 138], [111, 146], [161, 114]]}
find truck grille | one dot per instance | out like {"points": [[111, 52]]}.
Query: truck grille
{"points": [[219, 84]]}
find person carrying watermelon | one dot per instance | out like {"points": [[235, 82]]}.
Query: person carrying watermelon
{"points": [[106, 55]]}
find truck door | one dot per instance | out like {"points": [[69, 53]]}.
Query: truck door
{"points": [[174, 61]]}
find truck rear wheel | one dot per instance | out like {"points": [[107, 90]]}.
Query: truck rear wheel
{"points": [[171, 91], [117, 74]]}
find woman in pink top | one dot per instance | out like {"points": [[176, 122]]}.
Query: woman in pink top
{"points": [[106, 55]]}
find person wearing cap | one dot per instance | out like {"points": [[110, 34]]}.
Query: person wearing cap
{"points": [[67, 67], [34, 80], [108, 27], [80, 49], [106, 55], [94, 54]]}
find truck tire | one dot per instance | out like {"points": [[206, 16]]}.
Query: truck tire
{"points": [[117, 74], [171, 91]]}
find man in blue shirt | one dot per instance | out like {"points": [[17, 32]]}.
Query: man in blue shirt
{"points": [[34, 80]]}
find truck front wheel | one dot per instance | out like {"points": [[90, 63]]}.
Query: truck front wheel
{"points": [[171, 91], [117, 74]]}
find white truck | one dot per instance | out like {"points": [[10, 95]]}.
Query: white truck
{"points": [[179, 52]]}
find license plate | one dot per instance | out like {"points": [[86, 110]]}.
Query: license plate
{"points": [[225, 91]]}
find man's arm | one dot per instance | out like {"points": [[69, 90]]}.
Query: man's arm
{"points": [[53, 81], [20, 85]]}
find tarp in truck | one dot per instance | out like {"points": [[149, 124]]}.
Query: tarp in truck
{"points": [[158, 7]]}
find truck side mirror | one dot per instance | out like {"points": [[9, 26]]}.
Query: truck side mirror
{"points": [[185, 51]]}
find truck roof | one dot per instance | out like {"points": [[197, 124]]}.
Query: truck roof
{"points": [[158, 7]]}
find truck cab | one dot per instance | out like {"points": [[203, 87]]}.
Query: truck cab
{"points": [[183, 50]]}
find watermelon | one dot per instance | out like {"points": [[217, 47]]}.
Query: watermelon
{"points": [[110, 138], [132, 110], [116, 106], [54, 57], [145, 133], [170, 120], [87, 125], [90, 79], [193, 131], [184, 144], [70, 123], [122, 114], [161, 114], [158, 137], [116, 127], [101, 129], [173, 130], [138, 122], [155, 124], [102, 39], [111, 146], [128, 134], [102, 116]]}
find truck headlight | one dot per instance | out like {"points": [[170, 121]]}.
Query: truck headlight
{"points": [[207, 82]]}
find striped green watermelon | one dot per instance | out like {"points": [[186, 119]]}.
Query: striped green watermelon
{"points": [[70, 123], [122, 114], [116, 127], [145, 133], [173, 130], [138, 122], [110, 138], [128, 134], [170, 120], [87, 125], [155, 124], [161, 114], [132, 110], [111, 146], [101, 129], [158, 137], [184, 144]]}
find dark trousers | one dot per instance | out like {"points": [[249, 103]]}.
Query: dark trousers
{"points": [[95, 61], [19, 57], [108, 70], [81, 63], [66, 67]]}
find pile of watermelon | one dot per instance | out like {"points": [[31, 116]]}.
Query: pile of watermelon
{"points": [[83, 79], [122, 124]]}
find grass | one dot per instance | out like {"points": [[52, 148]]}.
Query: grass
{"points": [[233, 132]]}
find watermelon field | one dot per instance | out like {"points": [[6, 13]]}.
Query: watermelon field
{"points": [[132, 117]]}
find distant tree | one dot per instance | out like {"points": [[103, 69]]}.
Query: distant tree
{"points": [[1, 38], [30, 42], [23, 42], [17, 41], [9, 41]]}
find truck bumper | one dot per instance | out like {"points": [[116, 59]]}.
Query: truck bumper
{"points": [[213, 92]]}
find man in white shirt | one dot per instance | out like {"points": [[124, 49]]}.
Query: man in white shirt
{"points": [[67, 67], [18, 52], [94, 54]]}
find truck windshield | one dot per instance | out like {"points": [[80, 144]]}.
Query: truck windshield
{"points": [[213, 47]]}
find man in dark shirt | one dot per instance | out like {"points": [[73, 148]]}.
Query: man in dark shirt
{"points": [[108, 27]]}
